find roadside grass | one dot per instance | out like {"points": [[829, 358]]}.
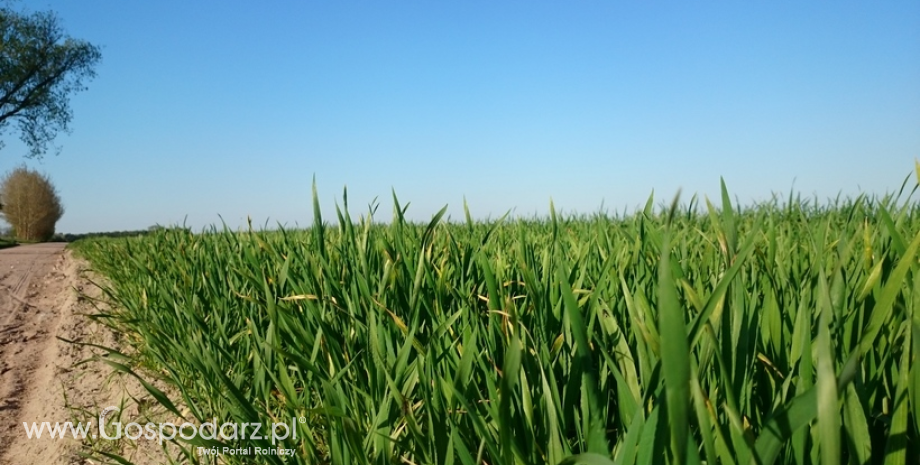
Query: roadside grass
{"points": [[784, 332]]}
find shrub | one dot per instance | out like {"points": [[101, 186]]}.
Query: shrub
{"points": [[30, 204]]}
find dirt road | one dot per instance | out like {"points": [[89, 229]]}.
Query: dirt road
{"points": [[44, 295], [36, 298]]}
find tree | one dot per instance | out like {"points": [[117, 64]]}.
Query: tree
{"points": [[31, 204], [40, 67]]}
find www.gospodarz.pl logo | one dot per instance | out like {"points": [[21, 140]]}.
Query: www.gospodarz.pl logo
{"points": [[162, 432]]}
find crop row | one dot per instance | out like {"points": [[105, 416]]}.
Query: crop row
{"points": [[785, 332]]}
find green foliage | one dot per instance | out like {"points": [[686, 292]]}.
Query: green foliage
{"points": [[40, 66], [782, 333], [140, 232]]}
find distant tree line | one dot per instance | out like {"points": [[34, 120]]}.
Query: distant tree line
{"points": [[73, 237], [140, 232]]}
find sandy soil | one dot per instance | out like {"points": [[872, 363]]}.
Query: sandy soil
{"points": [[44, 297]]}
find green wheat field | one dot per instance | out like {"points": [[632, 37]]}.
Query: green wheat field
{"points": [[782, 332]]}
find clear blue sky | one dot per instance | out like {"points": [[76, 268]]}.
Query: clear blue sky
{"points": [[231, 107]]}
